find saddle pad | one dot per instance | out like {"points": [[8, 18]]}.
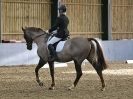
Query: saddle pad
{"points": [[60, 46]]}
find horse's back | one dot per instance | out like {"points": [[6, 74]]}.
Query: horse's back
{"points": [[77, 45], [79, 42]]}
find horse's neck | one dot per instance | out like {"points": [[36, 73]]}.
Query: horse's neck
{"points": [[40, 41]]}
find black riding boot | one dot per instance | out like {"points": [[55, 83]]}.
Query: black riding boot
{"points": [[53, 55]]}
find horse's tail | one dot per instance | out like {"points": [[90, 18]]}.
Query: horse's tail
{"points": [[101, 59]]}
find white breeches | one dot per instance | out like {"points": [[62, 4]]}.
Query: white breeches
{"points": [[53, 40]]}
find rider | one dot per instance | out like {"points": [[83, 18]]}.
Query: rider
{"points": [[62, 31]]}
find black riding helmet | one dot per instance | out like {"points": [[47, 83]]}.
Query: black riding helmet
{"points": [[62, 8]]}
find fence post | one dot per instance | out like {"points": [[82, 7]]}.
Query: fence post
{"points": [[106, 11], [109, 19], [54, 13], [104, 19]]}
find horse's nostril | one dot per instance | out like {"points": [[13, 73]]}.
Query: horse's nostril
{"points": [[29, 48]]}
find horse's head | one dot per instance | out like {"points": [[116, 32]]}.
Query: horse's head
{"points": [[31, 33], [27, 38]]}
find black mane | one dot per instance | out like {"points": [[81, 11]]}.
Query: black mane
{"points": [[35, 29]]}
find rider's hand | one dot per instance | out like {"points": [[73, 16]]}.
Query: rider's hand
{"points": [[47, 31]]}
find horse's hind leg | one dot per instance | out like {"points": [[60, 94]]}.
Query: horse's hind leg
{"points": [[40, 64], [99, 72], [78, 74], [51, 66], [98, 69]]}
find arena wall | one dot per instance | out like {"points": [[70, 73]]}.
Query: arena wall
{"points": [[122, 19], [18, 13], [17, 54], [88, 18], [118, 50]]}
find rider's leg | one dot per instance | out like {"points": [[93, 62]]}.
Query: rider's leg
{"points": [[51, 48], [53, 40]]}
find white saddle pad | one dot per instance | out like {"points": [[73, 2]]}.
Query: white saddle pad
{"points": [[60, 46]]}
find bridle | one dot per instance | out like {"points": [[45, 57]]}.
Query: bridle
{"points": [[38, 36], [29, 41]]}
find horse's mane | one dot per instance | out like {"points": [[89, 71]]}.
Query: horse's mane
{"points": [[35, 29]]}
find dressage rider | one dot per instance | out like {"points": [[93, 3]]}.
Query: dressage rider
{"points": [[62, 31]]}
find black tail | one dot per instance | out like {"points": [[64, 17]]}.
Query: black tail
{"points": [[101, 59]]}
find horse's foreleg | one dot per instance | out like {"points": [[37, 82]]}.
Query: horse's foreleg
{"points": [[51, 66], [78, 74], [40, 64]]}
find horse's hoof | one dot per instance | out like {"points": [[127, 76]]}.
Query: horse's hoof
{"points": [[71, 87], [41, 84], [103, 89], [51, 88]]}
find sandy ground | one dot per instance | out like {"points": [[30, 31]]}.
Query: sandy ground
{"points": [[19, 83]]}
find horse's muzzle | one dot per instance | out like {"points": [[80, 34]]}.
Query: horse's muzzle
{"points": [[29, 47]]}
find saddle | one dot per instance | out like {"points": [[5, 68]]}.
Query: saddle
{"points": [[60, 43], [56, 47]]}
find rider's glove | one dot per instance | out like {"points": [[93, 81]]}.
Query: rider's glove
{"points": [[47, 31]]}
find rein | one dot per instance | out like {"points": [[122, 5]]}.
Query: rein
{"points": [[38, 36]]}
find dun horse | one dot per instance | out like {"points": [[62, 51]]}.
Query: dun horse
{"points": [[76, 49]]}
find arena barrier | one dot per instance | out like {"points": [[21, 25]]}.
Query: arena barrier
{"points": [[119, 50], [17, 54]]}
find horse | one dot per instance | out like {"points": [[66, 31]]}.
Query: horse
{"points": [[75, 49]]}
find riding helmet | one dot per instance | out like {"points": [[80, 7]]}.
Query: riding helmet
{"points": [[62, 8]]}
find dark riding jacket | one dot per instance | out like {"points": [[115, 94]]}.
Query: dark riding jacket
{"points": [[61, 27]]}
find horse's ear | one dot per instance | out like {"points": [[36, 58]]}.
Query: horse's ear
{"points": [[23, 29]]}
